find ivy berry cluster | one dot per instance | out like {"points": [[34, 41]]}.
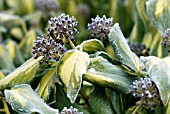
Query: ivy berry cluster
{"points": [[140, 49], [48, 48], [51, 45], [100, 27], [71, 110], [146, 90], [62, 26], [47, 6], [166, 39]]}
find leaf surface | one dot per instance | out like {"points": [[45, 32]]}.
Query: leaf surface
{"points": [[158, 70], [71, 67], [158, 12], [99, 103], [45, 83], [122, 49], [92, 46], [24, 100], [23, 74], [104, 73]]}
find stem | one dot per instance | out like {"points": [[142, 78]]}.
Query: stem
{"points": [[108, 97], [138, 75], [102, 39], [52, 102], [85, 97], [6, 110], [168, 53], [2, 110], [71, 43], [138, 107]]}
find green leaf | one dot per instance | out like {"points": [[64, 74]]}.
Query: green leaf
{"points": [[2, 75], [147, 39], [140, 5], [117, 102], [27, 43], [62, 100], [15, 52], [104, 73], [168, 108], [71, 67], [131, 109], [158, 70], [5, 60], [158, 12], [99, 103], [45, 83], [23, 74], [122, 49], [92, 46], [24, 100], [10, 19], [158, 110], [16, 32], [137, 32], [106, 56], [155, 44]]}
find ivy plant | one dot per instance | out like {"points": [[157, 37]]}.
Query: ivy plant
{"points": [[61, 77]]}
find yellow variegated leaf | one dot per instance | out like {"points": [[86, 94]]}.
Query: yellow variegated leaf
{"points": [[27, 43], [158, 12], [158, 71], [122, 50], [24, 74], [24, 100], [5, 59], [45, 83], [15, 52], [71, 67], [92, 46], [103, 73]]}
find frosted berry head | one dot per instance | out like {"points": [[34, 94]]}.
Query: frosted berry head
{"points": [[61, 27], [48, 48], [100, 26]]}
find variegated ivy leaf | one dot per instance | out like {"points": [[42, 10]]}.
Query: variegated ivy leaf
{"points": [[140, 5], [15, 52], [159, 71], [103, 73], [158, 12], [71, 67], [12, 19], [45, 83], [5, 59], [23, 74], [27, 43], [122, 49], [24, 100], [63, 101], [106, 56], [92, 46]]}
